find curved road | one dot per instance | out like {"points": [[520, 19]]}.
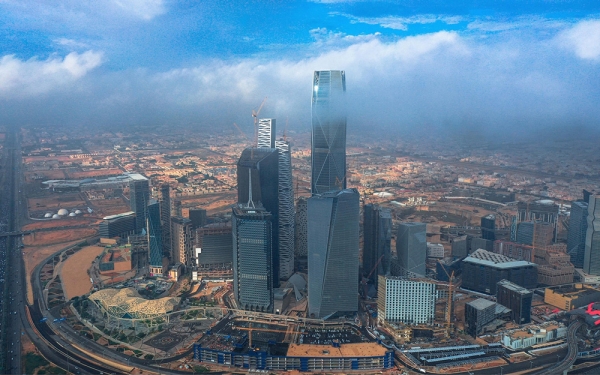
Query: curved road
{"points": [[571, 356]]}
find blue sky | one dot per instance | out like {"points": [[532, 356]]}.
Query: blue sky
{"points": [[468, 64]]}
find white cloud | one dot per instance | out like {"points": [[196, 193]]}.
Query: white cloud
{"points": [[70, 43], [145, 9], [402, 23], [32, 77], [583, 39]]}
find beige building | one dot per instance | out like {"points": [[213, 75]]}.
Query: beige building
{"points": [[182, 241], [571, 296]]}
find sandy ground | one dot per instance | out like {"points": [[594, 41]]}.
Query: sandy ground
{"points": [[57, 223], [59, 236], [54, 203], [75, 279], [34, 255], [95, 173]]}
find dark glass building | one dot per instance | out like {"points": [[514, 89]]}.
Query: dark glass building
{"points": [[261, 166], [488, 227], [120, 225], [139, 195], [377, 224], [328, 143], [411, 247], [516, 298], [198, 217], [591, 260], [155, 251], [252, 258], [214, 244], [577, 232], [333, 226], [165, 217]]}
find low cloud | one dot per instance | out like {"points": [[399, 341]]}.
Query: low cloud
{"points": [[583, 39]]}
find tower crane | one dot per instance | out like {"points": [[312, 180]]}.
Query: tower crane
{"points": [[255, 115], [449, 303]]}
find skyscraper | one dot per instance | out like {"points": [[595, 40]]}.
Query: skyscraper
{"points": [[165, 217], [286, 211], [591, 260], [488, 227], [266, 132], [261, 167], [328, 143], [155, 250], [139, 194], [377, 224], [301, 234], [577, 232], [252, 257], [198, 217], [411, 247], [182, 241], [333, 253]]}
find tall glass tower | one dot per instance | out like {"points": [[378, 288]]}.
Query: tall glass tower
{"points": [[377, 222], [155, 243], [591, 261], [577, 230], [139, 195], [333, 253], [328, 154]]}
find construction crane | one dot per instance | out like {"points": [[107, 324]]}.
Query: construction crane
{"points": [[449, 303], [241, 132], [251, 329], [255, 115]]}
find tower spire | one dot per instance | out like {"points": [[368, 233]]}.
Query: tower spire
{"points": [[250, 201]]}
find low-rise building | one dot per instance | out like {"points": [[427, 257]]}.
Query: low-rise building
{"points": [[533, 335], [571, 297]]}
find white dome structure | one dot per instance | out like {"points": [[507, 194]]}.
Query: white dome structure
{"points": [[63, 212], [56, 216], [77, 212], [48, 215], [72, 214]]}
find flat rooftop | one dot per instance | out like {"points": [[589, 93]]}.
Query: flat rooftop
{"points": [[368, 349]]}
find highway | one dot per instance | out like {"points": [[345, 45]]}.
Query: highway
{"points": [[572, 350]]}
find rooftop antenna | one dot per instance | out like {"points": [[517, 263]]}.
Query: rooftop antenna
{"points": [[250, 201]]}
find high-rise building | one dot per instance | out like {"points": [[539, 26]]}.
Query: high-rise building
{"points": [[286, 211], [538, 234], [406, 301], [139, 194], [260, 168], [377, 224], [577, 232], [328, 144], [517, 299], [252, 257], [333, 226], [214, 254], [165, 217], [155, 251], [300, 235], [266, 133], [525, 232], [198, 217], [478, 313], [411, 247], [182, 241], [488, 227], [591, 260], [543, 210], [120, 225]]}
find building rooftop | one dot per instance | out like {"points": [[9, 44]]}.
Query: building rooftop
{"points": [[514, 287], [487, 258], [124, 214], [481, 303], [136, 176], [369, 349]]}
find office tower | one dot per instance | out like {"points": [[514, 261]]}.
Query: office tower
{"points": [[328, 143], [516, 298], [214, 244], [260, 166], [252, 257], [478, 313], [586, 195], [543, 234], [333, 228], [182, 241], [543, 210], [165, 217], [139, 194], [411, 247], [266, 133], [301, 235], [577, 232], [480, 243], [591, 260], [406, 301], [286, 210], [377, 224], [525, 232], [482, 270], [177, 209], [119, 225], [198, 217], [460, 247], [155, 250], [488, 227]]}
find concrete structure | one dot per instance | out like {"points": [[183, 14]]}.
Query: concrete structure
{"points": [[182, 241], [515, 250], [411, 247], [287, 215], [259, 167], [577, 232], [554, 267], [482, 270], [435, 250], [571, 297], [543, 210], [252, 257], [406, 301], [154, 232], [460, 247], [538, 334], [481, 243], [517, 299], [328, 143], [282, 298], [115, 259], [488, 227], [333, 253], [120, 225], [139, 194], [377, 224], [214, 249], [591, 260], [478, 313]]}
